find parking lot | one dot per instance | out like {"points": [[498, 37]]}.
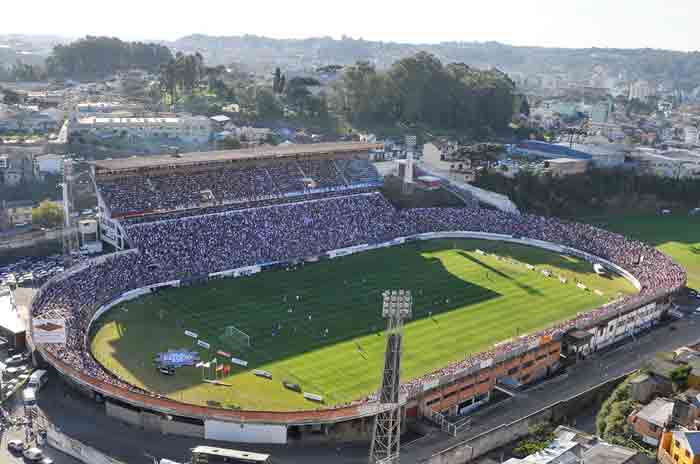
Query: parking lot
{"points": [[31, 271]]}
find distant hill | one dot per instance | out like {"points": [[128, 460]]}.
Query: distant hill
{"points": [[29, 49], [679, 68]]}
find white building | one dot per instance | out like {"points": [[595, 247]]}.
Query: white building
{"points": [[49, 164], [191, 129], [678, 164], [691, 135], [640, 90], [87, 108]]}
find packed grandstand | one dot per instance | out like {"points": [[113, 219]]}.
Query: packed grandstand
{"points": [[271, 215]]}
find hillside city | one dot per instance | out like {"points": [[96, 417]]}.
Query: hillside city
{"points": [[246, 249]]}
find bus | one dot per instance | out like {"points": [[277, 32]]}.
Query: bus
{"points": [[212, 455], [38, 379]]}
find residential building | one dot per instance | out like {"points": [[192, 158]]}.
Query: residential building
{"points": [[94, 108], [561, 167], [16, 166], [571, 446], [640, 90], [691, 135], [250, 134], [49, 164], [679, 446], [650, 421], [18, 212], [600, 113], [677, 164], [189, 129]]}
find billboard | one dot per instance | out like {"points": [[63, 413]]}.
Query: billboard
{"points": [[49, 330]]}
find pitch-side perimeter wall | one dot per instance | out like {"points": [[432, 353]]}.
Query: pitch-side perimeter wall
{"points": [[212, 417]]}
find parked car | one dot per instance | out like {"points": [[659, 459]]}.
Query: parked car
{"points": [[33, 454], [16, 446], [17, 359]]}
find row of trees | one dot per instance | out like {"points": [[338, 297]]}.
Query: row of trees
{"points": [[596, 192], [419, 90], [102, 56], [21, 71]]}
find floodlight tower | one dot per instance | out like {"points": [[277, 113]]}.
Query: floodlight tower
{"points": [[69, 234], [397, 307]]}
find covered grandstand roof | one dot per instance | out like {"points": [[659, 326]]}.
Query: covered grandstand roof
{"points": [[231, 155], [555, 151]]}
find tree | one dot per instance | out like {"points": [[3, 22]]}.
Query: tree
{"points": [[230, 143], [276, 81], [11, 97], [101, 56], [420, 91], [272, 139], [47, 214], [266, 105], [679, 377], [524, 106]]}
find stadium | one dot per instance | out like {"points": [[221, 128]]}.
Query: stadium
{"points": [[255, 277]]}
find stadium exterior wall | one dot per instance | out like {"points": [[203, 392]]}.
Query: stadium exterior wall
{"points": [[420, 397]]}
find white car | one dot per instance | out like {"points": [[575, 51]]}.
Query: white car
{"points": [[46, 460], [33, 454], [697, 310], [15, 445]]}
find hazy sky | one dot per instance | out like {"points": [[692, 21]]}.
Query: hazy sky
{"points": [[668, 24]]}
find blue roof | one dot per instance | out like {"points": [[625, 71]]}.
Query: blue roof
{"points": [[558, 151]]}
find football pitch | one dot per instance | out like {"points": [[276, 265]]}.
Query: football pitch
{"points": [[320, 325], [678, 236]]}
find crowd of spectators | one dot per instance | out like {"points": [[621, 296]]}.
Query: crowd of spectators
{"points": [[195, 246], [181, 189]]}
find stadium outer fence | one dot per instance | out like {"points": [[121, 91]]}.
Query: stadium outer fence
{"points": [[153, 402]]}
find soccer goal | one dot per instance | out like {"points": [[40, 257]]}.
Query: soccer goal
{"points": [[236, 336]]}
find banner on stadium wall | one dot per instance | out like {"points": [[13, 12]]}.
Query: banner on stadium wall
{"points": [[347, 251], [49, 330], [313, 397], [246, 271]]}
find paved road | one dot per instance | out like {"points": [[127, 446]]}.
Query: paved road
{"points": [[84, 420], [6, 457]]}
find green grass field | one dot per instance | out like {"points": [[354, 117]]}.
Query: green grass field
{"points": [[464, 303], [678, 236]]}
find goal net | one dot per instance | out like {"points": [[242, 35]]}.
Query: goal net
{"points": [[235, 336]]}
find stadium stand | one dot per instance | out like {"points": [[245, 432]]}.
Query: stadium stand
{"points": [[203, 242], [132, 193]]}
